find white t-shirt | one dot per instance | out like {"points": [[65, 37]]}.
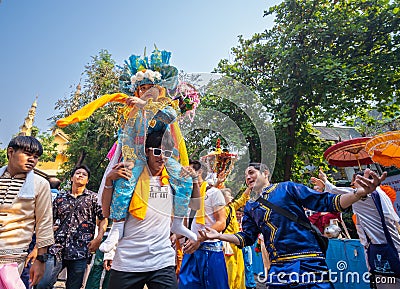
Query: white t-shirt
{"points": [[145, 245], [368, 219], [213, 201]]}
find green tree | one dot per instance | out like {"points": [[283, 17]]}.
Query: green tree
{"points": [[49, 147], [320, 61], [90, 140], [234, 114], [3, 157]]}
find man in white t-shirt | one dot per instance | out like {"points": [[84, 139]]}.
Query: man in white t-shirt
{"points": [[368, 222], [144, 255], [203, 265]]}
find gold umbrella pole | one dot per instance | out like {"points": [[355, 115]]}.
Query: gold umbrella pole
{"points": [[358, 161]]}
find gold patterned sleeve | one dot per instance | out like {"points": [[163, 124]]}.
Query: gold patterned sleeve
{"points": [[241, 201]]}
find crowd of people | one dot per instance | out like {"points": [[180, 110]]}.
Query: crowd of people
{"points": [[172, 222]]}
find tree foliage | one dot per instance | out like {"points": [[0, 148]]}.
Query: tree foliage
{"points": [[90, 140], [322, 61], [49, 147], [3, 157], [229, 111]]}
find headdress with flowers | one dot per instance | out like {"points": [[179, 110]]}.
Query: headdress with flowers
{"points": [[220, 162], [144, 70], [188, 98]]}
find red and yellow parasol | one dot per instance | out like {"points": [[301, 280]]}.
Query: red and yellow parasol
{"points": [[384, 149], [349, 153]]}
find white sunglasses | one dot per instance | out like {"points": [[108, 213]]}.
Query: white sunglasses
{"points": [[157, 152]]}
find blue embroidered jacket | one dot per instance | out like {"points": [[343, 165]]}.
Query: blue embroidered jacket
{"points": [[284, 239]]}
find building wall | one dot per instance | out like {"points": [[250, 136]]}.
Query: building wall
{"points": [[52, 168]]}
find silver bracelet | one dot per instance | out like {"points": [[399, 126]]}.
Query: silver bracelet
{"points": [[108, 187]]}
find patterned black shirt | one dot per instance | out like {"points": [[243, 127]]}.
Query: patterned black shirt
{"points": [[76, 230]]}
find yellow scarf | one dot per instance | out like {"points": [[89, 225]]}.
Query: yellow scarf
{"points": [[201, 212], [178, 139], [91, 107], [140, 198]]}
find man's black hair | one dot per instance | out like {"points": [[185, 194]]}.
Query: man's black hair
{"points": [[154, 139], [85, 167], [157, 138], [54, 183], [259, 166], [196, 164], [27, 144]]}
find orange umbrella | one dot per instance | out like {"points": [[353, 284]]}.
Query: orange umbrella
{"points": [[348, 153], [384, 149]]}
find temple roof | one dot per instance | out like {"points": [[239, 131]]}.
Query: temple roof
{"points": [[337, 134]]}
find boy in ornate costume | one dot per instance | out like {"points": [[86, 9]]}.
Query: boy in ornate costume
{"points": [[148, 110]]}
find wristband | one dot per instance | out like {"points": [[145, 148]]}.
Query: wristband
{"points": [[42, 258], [108, 187]]}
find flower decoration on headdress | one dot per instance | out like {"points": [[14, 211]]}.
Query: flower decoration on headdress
{"points": [[220, 162], [140, 76], [142, 70], [188, 97]]}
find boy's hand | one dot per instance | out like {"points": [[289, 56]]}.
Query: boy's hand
{"points": [[322, 175], [319, 185], [135, 101], [190, 246], [32, 256], [188, 172], [209, 233], [107, 265]]}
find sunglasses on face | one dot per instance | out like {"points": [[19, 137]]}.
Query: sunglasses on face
{"points": [[157, 152]]}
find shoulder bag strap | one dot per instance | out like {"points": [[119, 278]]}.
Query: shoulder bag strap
{"points": [[284, 213], [377, 200]]}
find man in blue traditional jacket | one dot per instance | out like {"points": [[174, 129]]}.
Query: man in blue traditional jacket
{"points": [[297, 260]]}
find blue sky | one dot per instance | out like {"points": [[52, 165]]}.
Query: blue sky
{"points": [[46, 44]]}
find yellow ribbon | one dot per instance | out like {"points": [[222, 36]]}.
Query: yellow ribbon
{"points": [[178, 139], [140, 199], [201, 212], [90, 108]]}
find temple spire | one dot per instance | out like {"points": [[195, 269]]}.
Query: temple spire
{"points": [[26, 128]]}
